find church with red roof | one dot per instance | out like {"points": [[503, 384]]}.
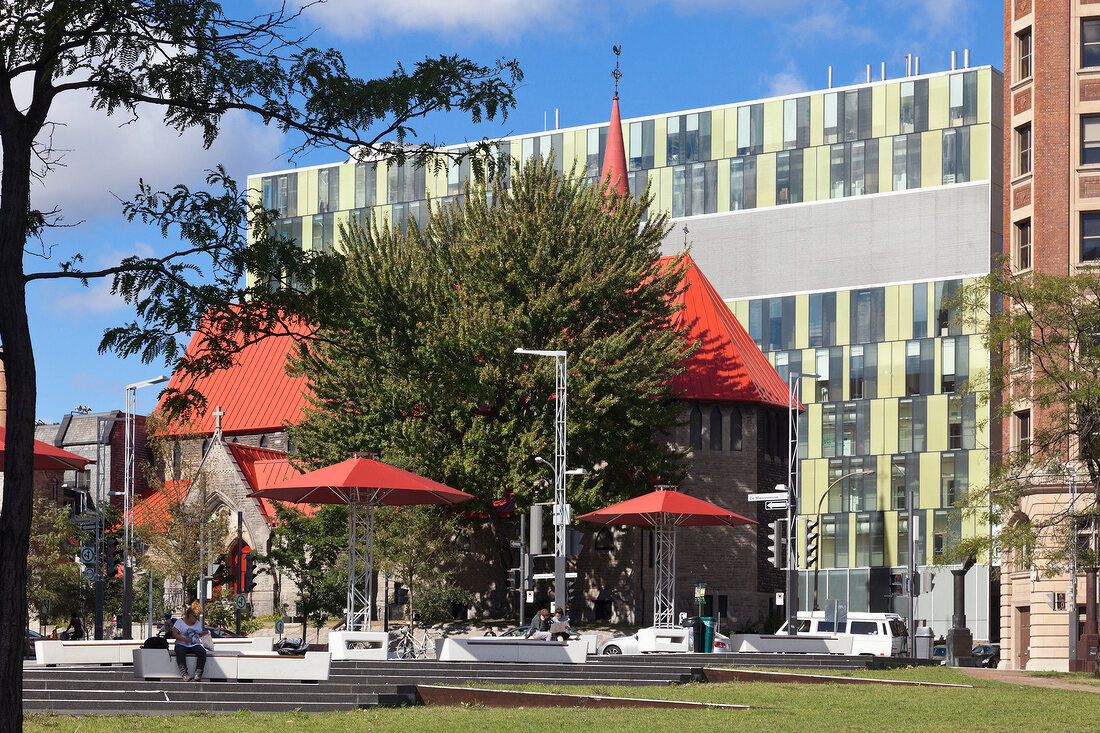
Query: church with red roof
{"points": [[735, 427]]}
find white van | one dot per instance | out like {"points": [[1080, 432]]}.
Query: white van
{"points": [[874, 634]]}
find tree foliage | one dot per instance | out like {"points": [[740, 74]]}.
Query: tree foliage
{"points": [[426, 375], [1046, 329], [51, 570], [312, 551], [191, 62]]}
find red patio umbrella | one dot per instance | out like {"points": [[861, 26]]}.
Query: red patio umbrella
{"points": [[362, 484], [665, 510], [49, 457]]}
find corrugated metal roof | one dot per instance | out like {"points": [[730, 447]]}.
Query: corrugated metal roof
{"points": [[263, 467], [255, 394], [727, 366]]}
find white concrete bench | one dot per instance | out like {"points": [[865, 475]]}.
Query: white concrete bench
{"points": [[490, 649], [345, 645], [51, 652], [151, 664], [664, 640]]}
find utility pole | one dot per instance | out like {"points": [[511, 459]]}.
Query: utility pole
{"points": [[239, 575]]}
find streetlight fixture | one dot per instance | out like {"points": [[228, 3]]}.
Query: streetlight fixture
{"points": [[128, 477], [817, 560], [561, 508]]}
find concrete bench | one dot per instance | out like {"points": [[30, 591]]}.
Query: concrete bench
{"points": [[151, 664], [664, 640], [490, 649], [350, 645], [51, 652]]}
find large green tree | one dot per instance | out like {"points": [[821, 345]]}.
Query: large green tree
{"points": [[191, 62], [1045, 330], [52, 572], [426, 375]]}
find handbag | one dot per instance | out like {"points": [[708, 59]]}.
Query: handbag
{"points": [[207, 641]]}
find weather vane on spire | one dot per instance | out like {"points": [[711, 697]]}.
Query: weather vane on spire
{"points": [[617, 73]]}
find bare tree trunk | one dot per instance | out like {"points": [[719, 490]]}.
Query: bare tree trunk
{"points": [[18, 357]]}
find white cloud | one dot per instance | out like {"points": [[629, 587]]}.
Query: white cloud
{"points": [[79, 302], [495, 18], [105, 156], [788, 81]]}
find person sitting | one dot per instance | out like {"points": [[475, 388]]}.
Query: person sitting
{"points": [[188, 635], [166, 627], [75, 630], [540, 626], [559, 626]]}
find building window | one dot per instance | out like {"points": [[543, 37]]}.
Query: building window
{"points": [[956, 155], [742, 183], [366, 185], [1090, 236], [867, 317], [920, 310], [688, 138], [1090, 42], [796, 123], [914, 106], [1023, 431], [822, 319], [735, 429], [1023, 245], [716, 429], [828, 430], [788, 177], [750, 129], [280, 193], [1023, 149], [641, 145], [1023, 55], [328, 189], [832, 129], [855, 373], [912, 368], [1090, 140], [838, 171], [696, 437], [946, 308], [596, 144], [963, 99], [946, 528]]}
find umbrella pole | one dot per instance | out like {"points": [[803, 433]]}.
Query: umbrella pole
{"points": [[664, 582], [360, 546]]}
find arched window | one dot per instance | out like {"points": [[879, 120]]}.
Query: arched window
{"points": [[605, 540], [263, 441], [735, 428], [716, 428], [696, 428], [205, 447]]}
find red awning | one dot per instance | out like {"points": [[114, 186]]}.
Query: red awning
{"points": [[49, 457]]}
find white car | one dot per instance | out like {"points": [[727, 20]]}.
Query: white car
{"points": [[629, 645]]}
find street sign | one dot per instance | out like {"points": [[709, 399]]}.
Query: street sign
{"points": [[87, 555], [515, 544], [779, 598], [776, 505], [770, 496], [85, 523], [279, 627], [530, 596], [242, 601], [700, 591], [46, 605], [89, 572]]}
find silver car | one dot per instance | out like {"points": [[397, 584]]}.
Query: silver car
{"points": [[629, 645]]}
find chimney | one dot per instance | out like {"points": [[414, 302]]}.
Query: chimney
{"points": [[830, 76], [954, 60]]}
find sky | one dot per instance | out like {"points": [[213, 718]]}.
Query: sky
{"points": [[676, 54]]}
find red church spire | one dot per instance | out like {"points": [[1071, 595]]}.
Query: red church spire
{"points": [[614, 159]]}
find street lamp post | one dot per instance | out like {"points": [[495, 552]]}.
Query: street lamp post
{"points": [[793, 476], [561, 508], [817, 560], [128, 478]]}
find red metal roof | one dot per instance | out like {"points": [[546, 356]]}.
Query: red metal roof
{"points": [[256, 394], [263, 467], [728, 366], [614, 157]]}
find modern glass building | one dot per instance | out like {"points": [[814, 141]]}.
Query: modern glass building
{"points": [[836, 224]]}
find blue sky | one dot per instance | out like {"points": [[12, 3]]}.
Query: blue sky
{"points": [[676, 55]]}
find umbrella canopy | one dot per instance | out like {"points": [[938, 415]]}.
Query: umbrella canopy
{"points": [[362, 484], [362, 481], [665, 510], [666, 507], [49, 457]]}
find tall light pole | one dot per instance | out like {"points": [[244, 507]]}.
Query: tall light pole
{"points": [[561, 508], [793, 477], [817, 560], [128, 476]]}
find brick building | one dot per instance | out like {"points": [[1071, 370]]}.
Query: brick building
{"points": [[1052, 226]]}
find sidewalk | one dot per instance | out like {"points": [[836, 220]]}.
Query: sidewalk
{"points": [[1014, 677]]}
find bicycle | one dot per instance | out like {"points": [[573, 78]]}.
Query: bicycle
{"points": [[407, 646]]}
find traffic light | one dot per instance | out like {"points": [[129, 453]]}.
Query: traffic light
{"points": [[776, 541], [573, 538], [400, 594], [112, 557], [897, 584], [811, 542], [218, 571], [248, 574]]}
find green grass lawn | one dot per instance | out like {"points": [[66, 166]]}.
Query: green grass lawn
{"points": [[988, 706]]}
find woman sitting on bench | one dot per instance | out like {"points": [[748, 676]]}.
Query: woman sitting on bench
{"points": [[188, 635]]}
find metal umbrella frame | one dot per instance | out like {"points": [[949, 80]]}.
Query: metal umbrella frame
{"points": [[362, 484], [665, 510]]}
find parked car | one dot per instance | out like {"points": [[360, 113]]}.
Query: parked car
{"points": [[32, 637], [521, 631], [939, 653], [629, 645], [220, 633], [988, 655]]}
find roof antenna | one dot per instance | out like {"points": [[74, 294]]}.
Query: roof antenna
{"points": [[617, 74]]}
